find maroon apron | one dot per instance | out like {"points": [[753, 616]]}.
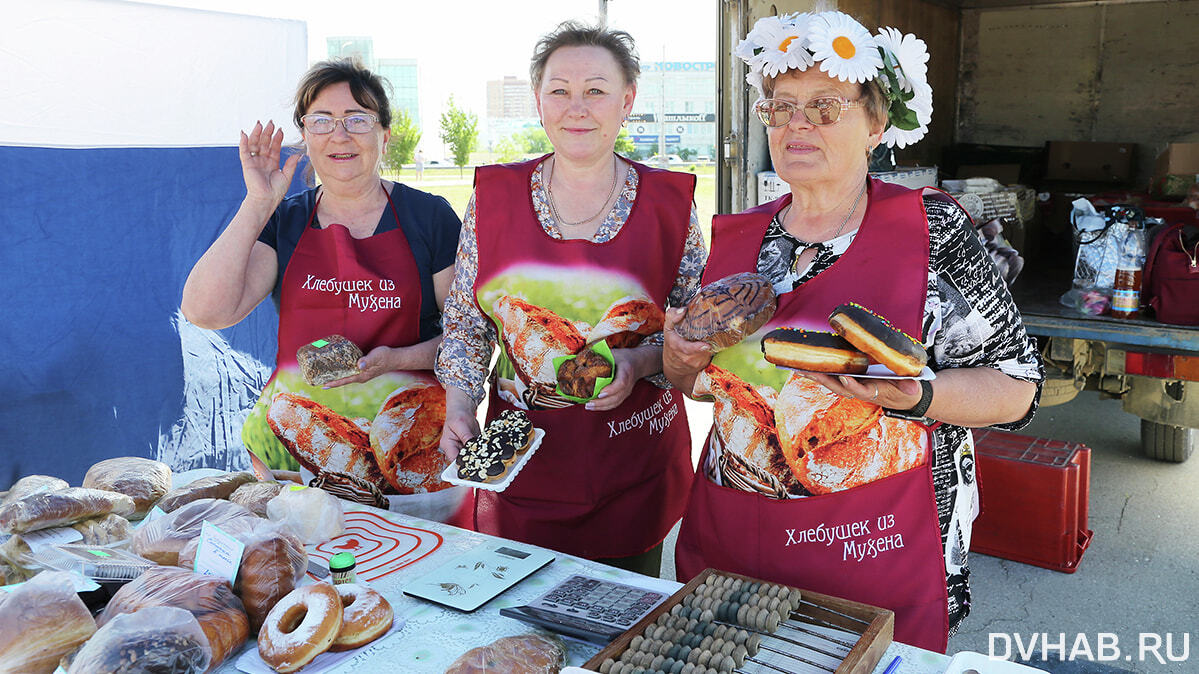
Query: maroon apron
{"points": [[367, 290], [602, 484], [877, 542]]}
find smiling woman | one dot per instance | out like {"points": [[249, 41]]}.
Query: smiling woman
{"points": [[359, 256]]}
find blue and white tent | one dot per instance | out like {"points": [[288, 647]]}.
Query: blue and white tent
{"points": [[118, 167]]}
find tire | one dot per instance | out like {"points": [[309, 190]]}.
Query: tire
{"points": [[1057, 390], [1168, 443]]}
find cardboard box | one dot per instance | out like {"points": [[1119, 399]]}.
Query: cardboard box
{"points": [[1089, 162], [1033, 495], [1178, 159]]}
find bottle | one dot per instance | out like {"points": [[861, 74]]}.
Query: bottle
{"points": [[342, 566], [1126, 295]]}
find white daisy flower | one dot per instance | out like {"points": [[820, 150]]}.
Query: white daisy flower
{"points": [[922, 105], [897, 137], [783, 43], [754, 78], [844, 47], [910, 53]]}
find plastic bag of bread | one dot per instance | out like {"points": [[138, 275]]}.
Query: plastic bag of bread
{"points": [[210, 599], [214, 486], [155, 640], [46, 509], [143, 480], [31, 484], [40, 622], [313, 514], [161, 539], [525, 654], [255, 496], [272, 563], [104, 530], [727, 311]]}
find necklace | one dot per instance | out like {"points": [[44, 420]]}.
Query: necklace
{"points": [[807, 245], [549, 191]]}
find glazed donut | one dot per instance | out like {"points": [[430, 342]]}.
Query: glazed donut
{"points": [[366, 616], [300, 627], [882, 341], [813, 351]]}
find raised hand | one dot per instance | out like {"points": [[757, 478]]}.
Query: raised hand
{"points": [[259, 152]]}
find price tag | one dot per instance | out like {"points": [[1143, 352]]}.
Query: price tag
{"points": [[44, 538], [218, 554]]}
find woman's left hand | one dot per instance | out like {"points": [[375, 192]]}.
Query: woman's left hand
{"points": [[894, 394], [627, 374], [380, 360]]}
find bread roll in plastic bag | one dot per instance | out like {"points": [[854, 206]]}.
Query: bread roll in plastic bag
{"points": [[524, 654], [727, 311], [313, 514], [143, 480], [46, 509], [40, 622], [256, 495], [210, 599], [155, 640], [161, 539], [31, 484], [272, 564], [213, 486], [105, 530]]}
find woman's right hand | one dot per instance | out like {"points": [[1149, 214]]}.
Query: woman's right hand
{"points": [[461, 421], [682, 360], [259, 151]]}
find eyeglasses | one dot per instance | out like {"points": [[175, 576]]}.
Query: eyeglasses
{"points": [[356, 123], [821, 111]]}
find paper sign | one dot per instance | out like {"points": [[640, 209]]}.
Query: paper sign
{"points": [[218, 554], [44, 538]]}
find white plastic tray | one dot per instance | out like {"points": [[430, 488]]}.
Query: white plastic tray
{"points": [[450, 474], [875, 371]]}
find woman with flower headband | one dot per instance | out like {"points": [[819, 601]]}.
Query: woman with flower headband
{"points": [[580, 249], [861, 488]]}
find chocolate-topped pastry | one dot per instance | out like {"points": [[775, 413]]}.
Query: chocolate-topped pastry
{"points": [[488, 456], [521, 428], [882, 341], [727, 311], [577, 376], [327, 359], [813, 351]]}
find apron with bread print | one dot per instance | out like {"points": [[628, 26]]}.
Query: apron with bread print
{"points": [[817, 491], [602, 484], [375, 441]]}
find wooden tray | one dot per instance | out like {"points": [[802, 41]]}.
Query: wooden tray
{"points": [[875, 631]]}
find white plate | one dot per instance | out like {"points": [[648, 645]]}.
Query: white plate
{"points": [[967, 661], [450, 474], [875, 371]]}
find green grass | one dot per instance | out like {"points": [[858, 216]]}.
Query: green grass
{"points": [[457, 186]]}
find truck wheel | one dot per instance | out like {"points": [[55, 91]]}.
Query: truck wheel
{"points": [[1057, 390], [1168, 443]]}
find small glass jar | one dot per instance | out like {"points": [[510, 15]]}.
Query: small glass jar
{"points": [[341, 566]]}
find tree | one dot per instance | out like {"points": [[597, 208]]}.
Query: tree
{"points": [[404, 137], [459, 130], [532, 140], [687, 153], [507, 151], [624, 146]]}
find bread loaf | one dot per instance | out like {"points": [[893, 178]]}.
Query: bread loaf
{"points": [[45, 509], [40, 622], [327, 359], [577, 376], [524, 654], [210, 599], [213, 486], [160, 540], [727, 311], [155, 640], [31, 484], [143, 480], [105, 530], [255, 496]]}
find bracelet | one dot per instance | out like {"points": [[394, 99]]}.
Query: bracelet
{"points": [[926, 399]]}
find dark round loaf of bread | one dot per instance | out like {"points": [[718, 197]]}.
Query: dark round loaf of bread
{"points": [[577, 376], [727, 311]]}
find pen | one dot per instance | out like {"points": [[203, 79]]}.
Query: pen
{"points": [[893, 666]]}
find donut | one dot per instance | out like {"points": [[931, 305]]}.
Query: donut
{"points": [[300, 627], [882, 341], [813, 351], [366, 616]]}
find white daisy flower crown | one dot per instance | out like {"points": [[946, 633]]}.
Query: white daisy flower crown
{"points": [[897, 63]]}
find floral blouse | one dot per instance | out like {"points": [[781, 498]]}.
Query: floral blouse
{"points": [[470, 337]]}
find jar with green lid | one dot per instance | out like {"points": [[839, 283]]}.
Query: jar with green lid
{"points": [[342, 566]]}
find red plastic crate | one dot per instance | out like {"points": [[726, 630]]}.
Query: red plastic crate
{"points": [[1033, 496]]}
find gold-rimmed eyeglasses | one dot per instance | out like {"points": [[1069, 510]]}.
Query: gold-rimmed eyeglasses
{"points": [[360, 122], [821, 111]]}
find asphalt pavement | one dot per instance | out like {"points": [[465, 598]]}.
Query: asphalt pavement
{"points": [[1133, 602]]}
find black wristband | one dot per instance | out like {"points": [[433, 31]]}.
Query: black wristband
{"points": [[926, 399]]}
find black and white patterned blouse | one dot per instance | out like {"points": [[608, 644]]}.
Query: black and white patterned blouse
{"points": [[970, 320]]}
